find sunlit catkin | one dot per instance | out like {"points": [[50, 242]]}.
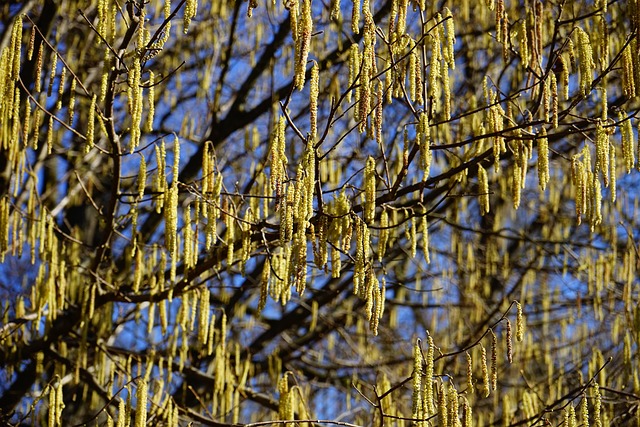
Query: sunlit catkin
{"points": [[483, 190], [355, 16], [354, 69], [135, 103], [383, 238], [543, 159], [303, 43], [141, 397], [424, 228], [628, 79], [602, 152], [470, 387], [428, 399], [369, 190], [313, 102], [627, 136], [423, 135], [416, 399], [151, 94], [519, 323], [485, 371], [190, 11], [142, 177], [597, 405], [90, 125], [585, 55], [443, 404]]}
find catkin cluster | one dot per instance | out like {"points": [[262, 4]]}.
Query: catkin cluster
{"points": [[588, 197]]}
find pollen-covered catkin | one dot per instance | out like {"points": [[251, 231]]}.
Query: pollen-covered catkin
{"points": [[470, 387], [313, 102], [519, 323], [628, 143], [543, 159], [585, 57], [91, 125], [485, 371], [303, 43], [602, 152], [483, 190], [141, 397], [416, 400], [369, 190]]}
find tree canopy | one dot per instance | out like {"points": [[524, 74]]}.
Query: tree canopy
{"points": [[367, 212]]}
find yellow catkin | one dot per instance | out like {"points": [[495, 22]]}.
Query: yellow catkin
{"points": [[278, 159], [151, 94], [454, 407], [470, 388], [483, 190], [72, 100], [141, 397], [628, 79], [136, 101], [38, 75], [171, 225], [91, 125], [597, 405], [602, 152], [423, 135], [627, 136], [585, 56], [52, 407], [520, 324], [401, 25], [411, 73], [435, 69], [450, 39], [335, 10], [446, 85], [313, 102], [142, 177], [383, 238], [416, 399], [190, 11], [377, 123], [354, 69], [52, 73], [553, 83], [303, 44], [543, 159], [428, 376], [424, 228], [355, 17], [584, 411], [485, 371], [369, 207], [524, 44]]}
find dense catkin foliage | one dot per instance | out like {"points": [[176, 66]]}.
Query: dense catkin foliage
{"points": [[355, 212]]}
